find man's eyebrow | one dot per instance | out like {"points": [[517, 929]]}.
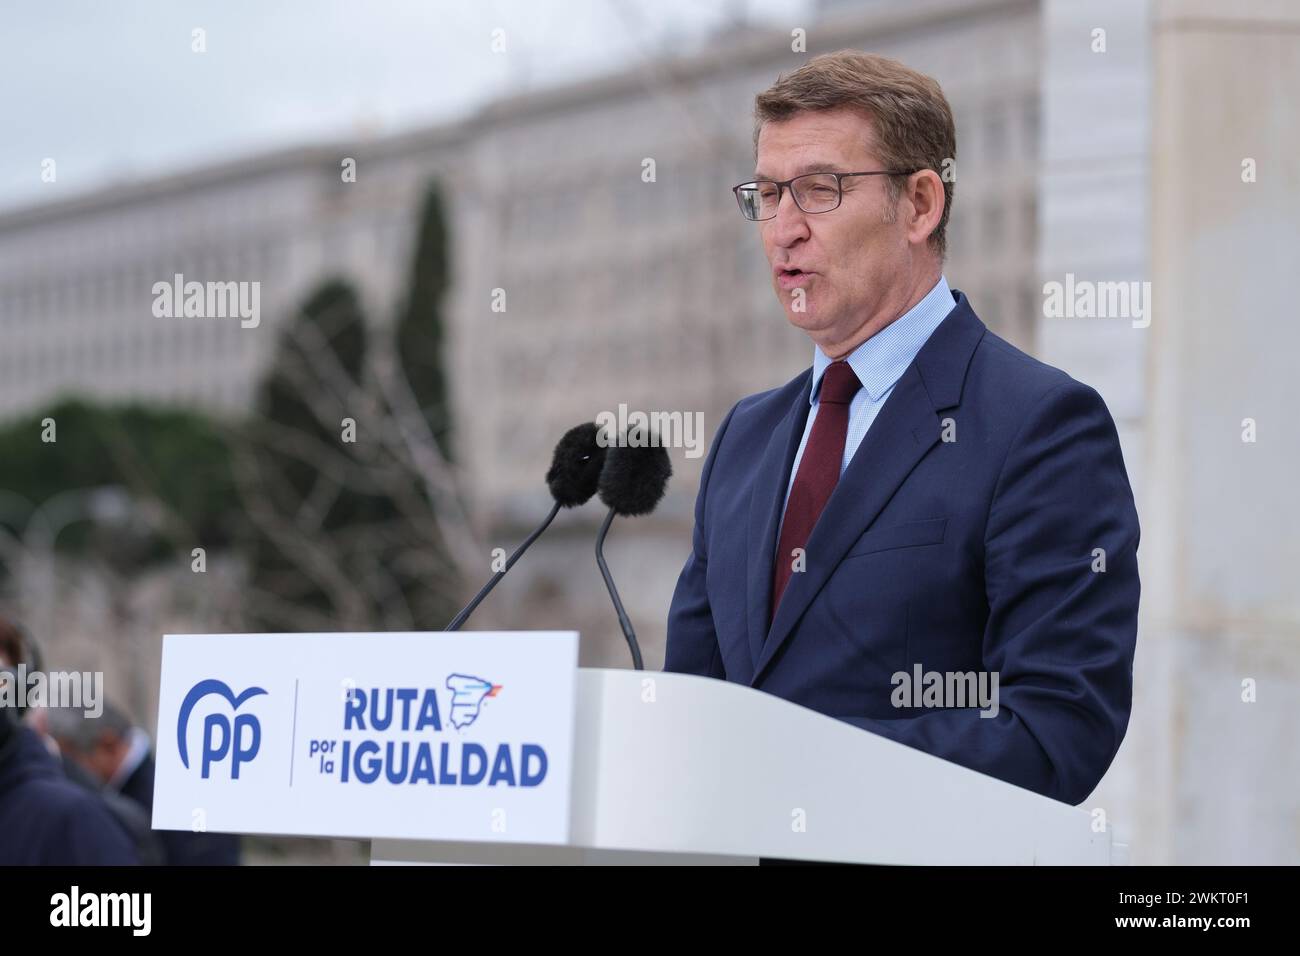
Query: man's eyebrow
{"points": [[806, 168]]}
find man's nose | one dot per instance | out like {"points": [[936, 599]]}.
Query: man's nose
{"points": [[790, 224]]}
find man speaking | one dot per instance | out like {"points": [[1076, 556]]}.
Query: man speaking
{"points": [[926, 498]]}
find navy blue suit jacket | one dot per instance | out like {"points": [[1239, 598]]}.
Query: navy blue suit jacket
{"points": [[970, 551], [45, 818]]}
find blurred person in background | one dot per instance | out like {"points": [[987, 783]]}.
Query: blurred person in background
{"points": [[133, 817], [117, 756], [45, 819]]}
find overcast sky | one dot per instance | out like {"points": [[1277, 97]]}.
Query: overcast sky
{"points": [[111, 90]]}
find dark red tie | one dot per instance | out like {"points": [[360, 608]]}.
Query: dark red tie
{"points": [[819, 471]]}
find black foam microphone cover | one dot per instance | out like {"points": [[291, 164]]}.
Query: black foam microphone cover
{"points": [[575, 469], [635, 477]]}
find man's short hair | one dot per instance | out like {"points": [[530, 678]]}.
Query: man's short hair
{"points": [[71, 726], [910, 115]]}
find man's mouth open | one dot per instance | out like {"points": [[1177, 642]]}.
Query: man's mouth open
{"points": [[793, 278]]}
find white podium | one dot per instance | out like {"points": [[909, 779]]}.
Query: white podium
{"points": [[674, 769]]}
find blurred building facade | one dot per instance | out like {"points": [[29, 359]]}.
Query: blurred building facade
{"points": [[622, 287], [600, 213]]}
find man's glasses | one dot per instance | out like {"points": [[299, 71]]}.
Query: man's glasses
{"points": [[812, 192]]}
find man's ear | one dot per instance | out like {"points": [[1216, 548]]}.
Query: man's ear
{"points": [[924, 193]]}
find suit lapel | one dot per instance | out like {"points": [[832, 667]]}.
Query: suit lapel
{"points": [[765, 513], [904, 430]]}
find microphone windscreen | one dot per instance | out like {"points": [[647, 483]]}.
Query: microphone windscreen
{"points": [[576, 466], [635, 476]]}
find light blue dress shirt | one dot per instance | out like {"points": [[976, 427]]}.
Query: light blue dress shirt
{"points": [[879, 363]]}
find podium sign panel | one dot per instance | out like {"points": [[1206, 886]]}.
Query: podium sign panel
{"points": [[436, 736]]}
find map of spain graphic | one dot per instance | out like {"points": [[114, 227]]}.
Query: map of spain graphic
{"points": [[467, 694]]}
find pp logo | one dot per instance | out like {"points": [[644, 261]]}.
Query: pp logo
{"points": [[238, 739]]}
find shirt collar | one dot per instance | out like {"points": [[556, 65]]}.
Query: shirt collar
{"points": [[881, 360]]}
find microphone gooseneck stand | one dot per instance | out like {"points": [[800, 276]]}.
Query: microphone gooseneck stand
{"points": [[468, 609], [623, 620]]}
